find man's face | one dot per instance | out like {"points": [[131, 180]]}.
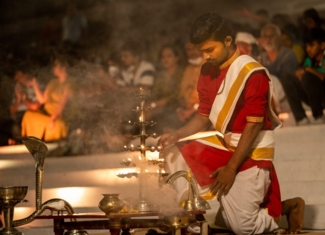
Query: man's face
{"points": [[270, 40], [128, 59], [214, 52], [314, 48], [191, 51]]}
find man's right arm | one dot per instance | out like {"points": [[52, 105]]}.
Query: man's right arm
{"points": [[196, 124]]}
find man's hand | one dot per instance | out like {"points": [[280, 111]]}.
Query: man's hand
{"points": [[225, 177], [168, 139]]}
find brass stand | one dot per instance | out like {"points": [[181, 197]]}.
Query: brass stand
{"points": [[142, 95], [9, 198]]}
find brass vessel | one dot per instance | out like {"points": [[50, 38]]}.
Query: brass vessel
{"points": [[111, 203], [178, 221], [194, 201], [9, 197]]}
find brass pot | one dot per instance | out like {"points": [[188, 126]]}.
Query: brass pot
{"points": [[111, 203], [178, 221]]}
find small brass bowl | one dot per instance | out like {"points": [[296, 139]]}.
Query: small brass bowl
{"points": [[178, 221], [12, 195]]}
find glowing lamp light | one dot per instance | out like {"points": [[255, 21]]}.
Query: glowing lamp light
{"points": [[8, 164], [71, 194], [283, 116]]}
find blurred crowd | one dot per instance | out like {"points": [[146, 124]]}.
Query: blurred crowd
{"points": [[61, 90]]}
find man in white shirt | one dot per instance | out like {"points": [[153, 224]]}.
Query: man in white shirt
{"points": [[137, 72]]}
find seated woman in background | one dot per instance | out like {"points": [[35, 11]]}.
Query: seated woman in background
{"points": [[47, 123], [166, 89]]}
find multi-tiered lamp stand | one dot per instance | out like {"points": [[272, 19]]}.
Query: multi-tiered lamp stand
{"points": [[143, 95]]}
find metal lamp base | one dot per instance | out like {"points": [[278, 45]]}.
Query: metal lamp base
{"points": [[76, 232], [10, 231]]}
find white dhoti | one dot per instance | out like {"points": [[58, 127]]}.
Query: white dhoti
{"points": [[239, 210]]}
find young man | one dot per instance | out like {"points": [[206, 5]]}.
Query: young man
{"points": [[237, 167], [137, 72], [311, 88]]}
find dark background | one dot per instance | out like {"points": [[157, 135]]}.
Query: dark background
{"points": [[21, 21]]}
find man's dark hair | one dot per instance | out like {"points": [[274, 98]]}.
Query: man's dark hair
{"points": [[133, 47], [210, 26], [315, 34]]}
